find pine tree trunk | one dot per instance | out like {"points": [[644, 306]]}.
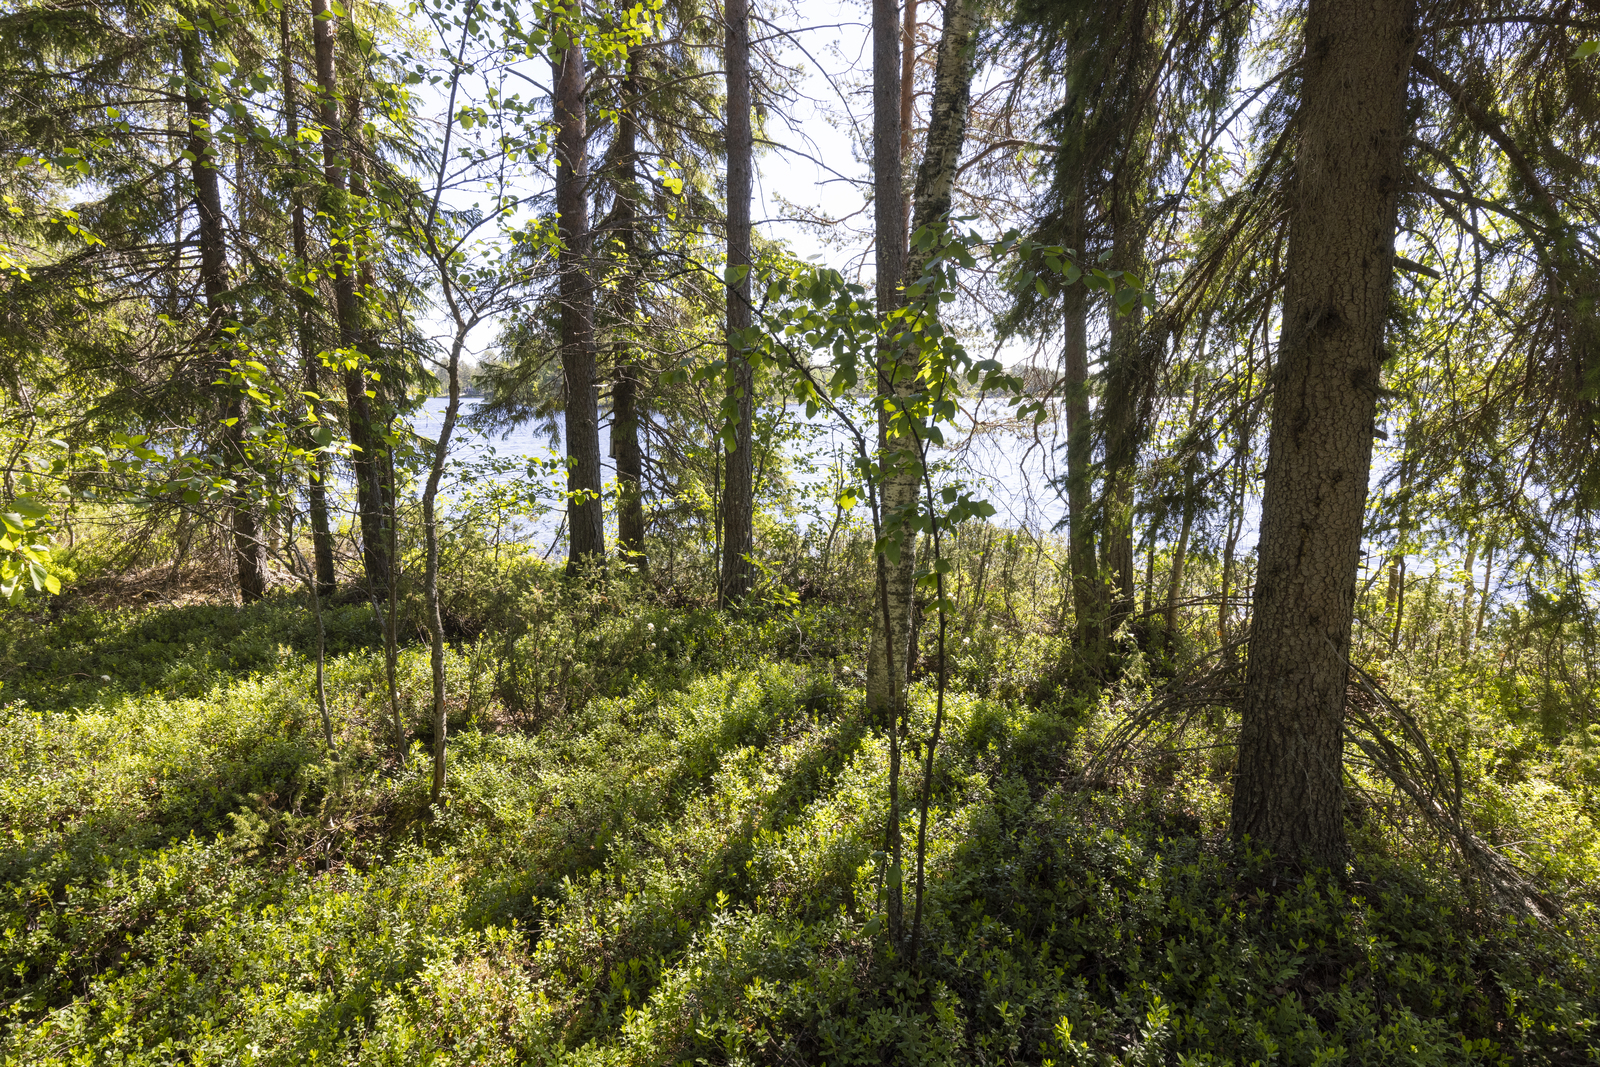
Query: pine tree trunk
{"points": [[1123, 415], [1289, 788], [625, 388], [586, 542], [249, 554], [365, 463], [366, 341], [738, 503], [630, 467], [310, 364]]}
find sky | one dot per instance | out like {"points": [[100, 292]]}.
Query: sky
{"points": [[813, 170], [811, 165]]}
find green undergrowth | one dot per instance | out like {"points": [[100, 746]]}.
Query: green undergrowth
{"points": [[676, 860]]}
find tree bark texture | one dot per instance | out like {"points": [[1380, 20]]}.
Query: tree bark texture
{"points": [[382, 482], [947, 129], [249, 553], [625, 387], [310, 365], [947, 124], [585, 519], [738, 500], [886, 654], [891, 604], [1289, 788], [366, 462]]}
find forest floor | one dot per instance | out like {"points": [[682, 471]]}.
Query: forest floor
{"points": [[661, 844]]}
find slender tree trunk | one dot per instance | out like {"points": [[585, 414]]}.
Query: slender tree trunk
{"points": [[362, 429], [625, 388], [1150, 563], [177, 142], [1397, 589], [1397, 558], [1231, 541], [1180, 556], [430, 573], [630, 466], [1180, 551], [947, 124], [738, 503], [947, 131], [1483, 598], [586, 522], [391, 625], [310, 365], [947, 127], [1392, 589], [886, 656], [1289, 788], [249, 554], [1468, 587], [891, 608]]}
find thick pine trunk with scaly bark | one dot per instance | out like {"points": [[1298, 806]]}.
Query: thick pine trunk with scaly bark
{"points": [[585, 520], [310, 365], [249, 553], [625, 385], [366, 462], [738, 497], [1289, 788]]}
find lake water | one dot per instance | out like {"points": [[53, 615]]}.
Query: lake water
{"points": [[1011, 467]]}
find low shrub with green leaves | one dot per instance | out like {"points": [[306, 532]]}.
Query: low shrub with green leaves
{"points": [[661, 843]]}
